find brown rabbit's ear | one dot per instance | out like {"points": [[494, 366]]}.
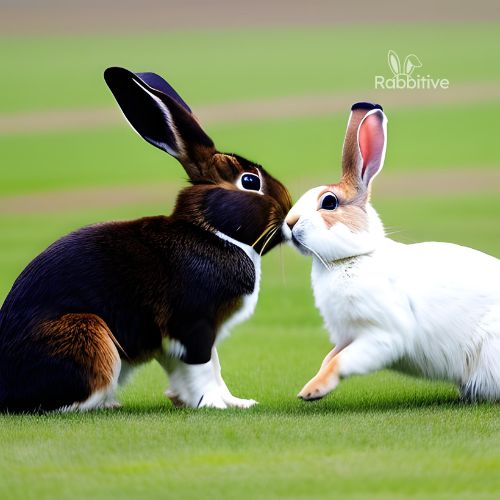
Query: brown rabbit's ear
{"points": [[365, 144], [159, 115]]}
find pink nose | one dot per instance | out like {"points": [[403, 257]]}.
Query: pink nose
{"points": [[291, 220]]}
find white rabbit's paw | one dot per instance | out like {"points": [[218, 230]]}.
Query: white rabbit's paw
{"points": [[318, 387], [311, 394]]}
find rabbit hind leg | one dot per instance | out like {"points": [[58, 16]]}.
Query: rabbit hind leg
{"points": [[86, 341], [483, 382]]}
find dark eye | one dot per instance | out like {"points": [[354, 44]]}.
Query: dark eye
{"points": [[250, 182], [328, 201]]}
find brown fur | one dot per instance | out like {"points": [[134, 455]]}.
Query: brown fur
{"points": [[224, 167], [206, 164], [224, 313], [86, 339], [350, 153]]}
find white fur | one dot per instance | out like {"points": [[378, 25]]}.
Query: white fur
{"points": [[337, 243], [249, 301], [175, 348], [431, 309]]}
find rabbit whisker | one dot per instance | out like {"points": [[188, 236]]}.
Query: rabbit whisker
{"points": [[323, 261], [276, 228], [266, 231]]}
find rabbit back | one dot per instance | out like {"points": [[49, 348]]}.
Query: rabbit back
{"points": [[439, 302]]}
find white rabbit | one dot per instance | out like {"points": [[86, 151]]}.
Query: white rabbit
{"points": [[431, 309]]}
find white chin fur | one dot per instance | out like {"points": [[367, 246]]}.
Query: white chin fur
{"points": [[336, 243], [286, 231]]}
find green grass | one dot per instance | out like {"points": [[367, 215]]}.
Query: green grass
{"points": [[384, 435], [159, 453], [362, 445]]}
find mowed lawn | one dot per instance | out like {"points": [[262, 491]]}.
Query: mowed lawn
{"points": [[382, 435]]}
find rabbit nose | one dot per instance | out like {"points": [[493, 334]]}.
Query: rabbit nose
{"points": [[291, 220]]}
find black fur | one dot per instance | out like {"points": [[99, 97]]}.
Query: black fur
{"points": [[157, 82], [366, 105]]}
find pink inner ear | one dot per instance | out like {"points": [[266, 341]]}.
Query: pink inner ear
{"points": [[371, 145]]}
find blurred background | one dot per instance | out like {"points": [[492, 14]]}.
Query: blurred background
{"points": [[274, 82]]}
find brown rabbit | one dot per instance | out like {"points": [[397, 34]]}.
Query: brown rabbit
{"points": [[111, 296]]}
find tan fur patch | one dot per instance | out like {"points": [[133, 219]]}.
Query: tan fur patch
{"points": [[351, 211], [351, 216], [323, 382], [327, 371], [87, 340]]}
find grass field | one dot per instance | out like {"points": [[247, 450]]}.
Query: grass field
{"points": [[384, 435]]}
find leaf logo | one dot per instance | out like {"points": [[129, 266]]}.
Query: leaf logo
{"points": [[410, 63]]}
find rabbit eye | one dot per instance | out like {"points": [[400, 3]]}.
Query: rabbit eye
{"points": [[250, 182], [328, 201]]}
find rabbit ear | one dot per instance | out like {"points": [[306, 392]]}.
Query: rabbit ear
{"points": [[372, 141], [364, 145], [158, 114], [157, 82]]}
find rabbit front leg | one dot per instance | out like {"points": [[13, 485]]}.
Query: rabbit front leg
{"points": [[195, 386], [229, 399], [201, 385], [195, 382], [325, 381], [368, 353], [187, 359]]}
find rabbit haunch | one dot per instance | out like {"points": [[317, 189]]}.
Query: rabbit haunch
{"points": [[110, 296], [430, 309]]}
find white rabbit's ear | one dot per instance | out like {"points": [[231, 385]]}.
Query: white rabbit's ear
{"points": [[352, 156], [372, 142], [159, 115]]}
